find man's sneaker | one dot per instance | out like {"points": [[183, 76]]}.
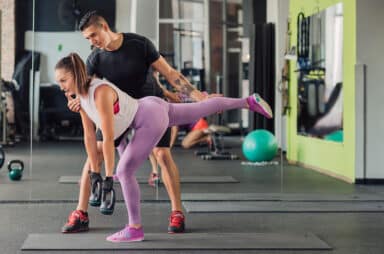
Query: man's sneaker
{"points": [[127, 234], [77, 222], [153, 179], [176, 222], [257, 104]]}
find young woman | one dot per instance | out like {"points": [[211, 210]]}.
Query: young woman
{"points": [[106, 106]]}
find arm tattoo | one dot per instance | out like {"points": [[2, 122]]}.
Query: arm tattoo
{"points": [[184, 85]]}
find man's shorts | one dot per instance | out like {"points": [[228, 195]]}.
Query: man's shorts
{"points": [[165, 140]]}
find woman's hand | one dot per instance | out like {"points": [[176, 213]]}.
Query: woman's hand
{"points": [[73, 102]]}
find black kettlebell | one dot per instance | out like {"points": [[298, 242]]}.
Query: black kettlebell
{"points": [[96, 183], [108, 197], [15, 169]]}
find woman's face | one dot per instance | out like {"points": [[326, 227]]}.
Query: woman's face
{"points": [[66, 81]]}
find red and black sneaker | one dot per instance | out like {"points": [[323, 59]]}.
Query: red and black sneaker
{"points": [[77, 222], [176, 222]]}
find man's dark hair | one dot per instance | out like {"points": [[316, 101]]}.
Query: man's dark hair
{"points": [[91, 18]]}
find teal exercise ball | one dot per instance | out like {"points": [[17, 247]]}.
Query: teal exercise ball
{"points": [[336, 136], [260, 145]]}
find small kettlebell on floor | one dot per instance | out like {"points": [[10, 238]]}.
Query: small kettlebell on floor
{"points": [[15, 170]]}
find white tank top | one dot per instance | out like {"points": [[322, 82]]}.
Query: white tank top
{"points": [[121, 120]]}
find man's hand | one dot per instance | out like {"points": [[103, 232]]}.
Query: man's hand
{"points": [[204, 95], [73, 102], [172, 97], [214, 95]]}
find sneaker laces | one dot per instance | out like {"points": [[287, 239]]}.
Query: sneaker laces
{"points": [[73, 217], [177, 218], [122, 232]]}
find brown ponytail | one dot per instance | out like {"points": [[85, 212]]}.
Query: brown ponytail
{"points": [[76, 66]]}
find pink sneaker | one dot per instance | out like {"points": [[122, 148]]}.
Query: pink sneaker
{"points": [[127, 234], [257, 104]]}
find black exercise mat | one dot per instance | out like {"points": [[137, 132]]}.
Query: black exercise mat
{"points": [[282, 207], [184, 179], [187, 241], [280, 197]]}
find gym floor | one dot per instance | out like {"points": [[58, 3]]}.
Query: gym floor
{"points": [[40, 204]]}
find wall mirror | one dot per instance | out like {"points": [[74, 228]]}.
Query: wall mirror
{"points": [[320, 74]]}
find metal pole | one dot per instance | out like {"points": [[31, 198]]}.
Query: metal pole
{"points": [[207, 47], [225, 47], [0, 43], [2, 102], [225, 56]]}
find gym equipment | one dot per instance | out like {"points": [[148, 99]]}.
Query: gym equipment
{"points": [[303, 42], [108, 197], [217, 151], [2, 157], [96, 181], [15, 168], [260, 145], [57, 122]]}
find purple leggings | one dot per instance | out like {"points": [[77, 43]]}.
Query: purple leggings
{"points": [[153, 117]]}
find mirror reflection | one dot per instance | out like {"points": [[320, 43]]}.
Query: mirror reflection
{"points": [[320, 74]]}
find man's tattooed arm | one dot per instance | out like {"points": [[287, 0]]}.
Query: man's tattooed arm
{"points": [[184, 86], [177, 80]]}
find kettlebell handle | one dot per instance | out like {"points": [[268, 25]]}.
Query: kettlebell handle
{"points": [[10, 163]]}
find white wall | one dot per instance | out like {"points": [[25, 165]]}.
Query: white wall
{"points": [[123, 15], [49, 44], [147, 17], [369, 46]]}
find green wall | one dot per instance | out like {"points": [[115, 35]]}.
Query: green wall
{"points": [[335, 158]]}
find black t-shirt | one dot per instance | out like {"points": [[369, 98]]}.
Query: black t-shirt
{"points": [[127, 67]]}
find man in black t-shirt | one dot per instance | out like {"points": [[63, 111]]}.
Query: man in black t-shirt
{"points": [[125, 59]]}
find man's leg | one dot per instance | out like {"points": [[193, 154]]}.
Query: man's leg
{"points": [[174, 133], [153, 178], [194, 137], [170, 176], [171, 179]]}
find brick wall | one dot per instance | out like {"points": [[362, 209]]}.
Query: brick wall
{"points": [[7, 8]]}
